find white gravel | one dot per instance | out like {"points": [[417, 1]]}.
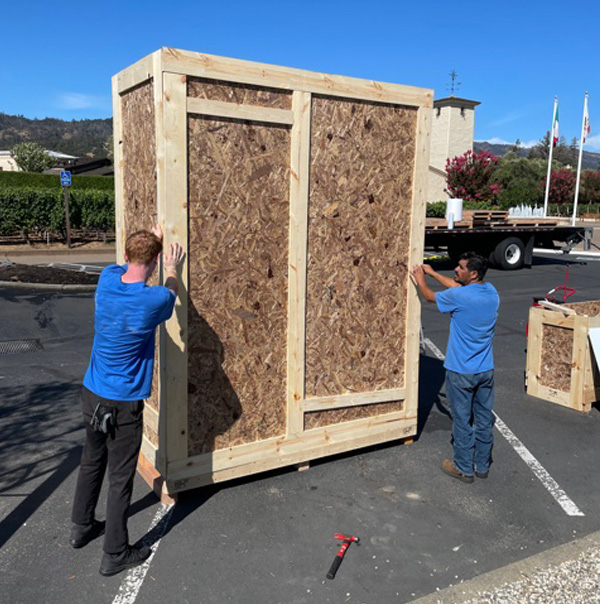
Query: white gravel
{"points": [[572, 582]]}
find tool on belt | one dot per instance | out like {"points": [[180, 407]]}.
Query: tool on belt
{"points": [[346, 542], [104, 419]]}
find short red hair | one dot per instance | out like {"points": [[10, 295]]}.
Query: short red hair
{"points": [[142, 247]]}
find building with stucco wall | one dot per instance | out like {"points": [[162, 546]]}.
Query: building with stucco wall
{"points": [[452, 127], [7, 163]]}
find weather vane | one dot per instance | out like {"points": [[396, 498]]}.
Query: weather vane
{"points": [[454, 85]]}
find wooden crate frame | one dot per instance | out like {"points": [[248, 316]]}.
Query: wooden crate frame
{"points": [[584, 380], [168, 70]]}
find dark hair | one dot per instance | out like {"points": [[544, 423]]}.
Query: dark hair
{"points": [[475, 262], [142, 247]]}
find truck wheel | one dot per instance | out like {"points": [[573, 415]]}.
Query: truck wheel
{"points": [[509, 254]]}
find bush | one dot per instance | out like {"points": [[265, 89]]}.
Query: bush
{"points": [[34, 209], [590, 187], [51, 181], [472, 177]]}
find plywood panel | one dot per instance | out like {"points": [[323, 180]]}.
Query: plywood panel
{"points": [[316, 419], [362, 163], [242, 94], [139, 158], [557, 349], [238, 245]]}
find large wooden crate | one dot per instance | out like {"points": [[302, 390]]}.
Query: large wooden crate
{"points": [[560, 361], [299, 198]]}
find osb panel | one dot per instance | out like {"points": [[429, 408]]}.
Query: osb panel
{"points": [[316, 419], [243, 94], [362, 162], [557, 357], [557, 349], [138, 149], [238, 243], [591, 308]]}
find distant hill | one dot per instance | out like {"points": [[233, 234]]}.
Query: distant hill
{"points": [[82, 138], [589, 161]]}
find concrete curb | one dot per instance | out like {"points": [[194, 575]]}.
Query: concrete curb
{"points": [[512, 573], [47, 286]]}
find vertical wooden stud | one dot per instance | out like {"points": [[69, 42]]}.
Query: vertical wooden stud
{"points": [[173, 210], [298, 245], [417, 243]]}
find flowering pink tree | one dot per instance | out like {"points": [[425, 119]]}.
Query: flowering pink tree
{"points": [[472, 177], [562, 186], [590, 186]]}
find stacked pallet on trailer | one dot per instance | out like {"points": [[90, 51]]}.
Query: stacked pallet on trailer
{"points": [[299, 198], [561, 366]]}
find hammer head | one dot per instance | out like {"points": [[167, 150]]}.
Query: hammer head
{"points": [[350, 538]]}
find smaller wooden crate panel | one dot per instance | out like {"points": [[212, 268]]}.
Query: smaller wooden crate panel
{"points": [[299, 199], [561, 366]]}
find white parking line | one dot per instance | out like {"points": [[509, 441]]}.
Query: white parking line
{"points": [[565, 502], [132, 582]]}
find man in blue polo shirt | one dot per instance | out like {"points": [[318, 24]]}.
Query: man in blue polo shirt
{"points": [[473, 307], [118, 379]]}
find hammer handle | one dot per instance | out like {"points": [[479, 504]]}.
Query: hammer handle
{"points": [[338, 560]]}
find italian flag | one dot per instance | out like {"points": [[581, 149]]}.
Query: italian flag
{"points": [[555, 128]]}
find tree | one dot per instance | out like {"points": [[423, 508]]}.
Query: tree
{"points": [[472, 177], [109, 148], [31, 157], [520, 178], [562, 153], [562, 186], [516, 148]]}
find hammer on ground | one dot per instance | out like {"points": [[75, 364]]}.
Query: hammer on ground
{"points": [[346, 541]]}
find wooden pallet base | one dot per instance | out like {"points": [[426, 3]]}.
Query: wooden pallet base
{"points": [[155, 481]]}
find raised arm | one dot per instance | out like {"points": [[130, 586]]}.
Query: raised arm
{"points": [[172, 258], [445, 281]]}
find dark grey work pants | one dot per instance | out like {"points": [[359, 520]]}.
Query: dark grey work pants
{"points": [[119, 451]]}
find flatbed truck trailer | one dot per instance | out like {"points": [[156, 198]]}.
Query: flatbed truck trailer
{"points": [[508, 247]]}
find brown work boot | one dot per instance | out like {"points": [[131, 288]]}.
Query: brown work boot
{"points": [[449, 468]]}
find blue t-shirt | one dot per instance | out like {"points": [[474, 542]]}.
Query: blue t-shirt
{"points": [[473, 312], [125, 320]]}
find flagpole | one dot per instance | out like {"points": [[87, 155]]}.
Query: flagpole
{"points": [[583, 134], [550, 158]]}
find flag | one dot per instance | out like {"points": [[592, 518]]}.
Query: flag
{"points": [[555, 127], [586, 121]]}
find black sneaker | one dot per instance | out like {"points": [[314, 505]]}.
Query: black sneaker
{"points": [[82, 534], [132, 556]]}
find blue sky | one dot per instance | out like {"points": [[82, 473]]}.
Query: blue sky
{"points": [[511, 56]]}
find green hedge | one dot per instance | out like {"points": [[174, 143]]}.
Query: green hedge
{"points": [[38, 209], [437, 209], [51, 181]]}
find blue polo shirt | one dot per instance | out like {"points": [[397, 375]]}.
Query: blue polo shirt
{"points": [[473, 312], [125, 321]]}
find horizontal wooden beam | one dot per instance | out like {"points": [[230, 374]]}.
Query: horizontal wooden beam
{"points": [[240, 112], [354, 399], [286, 78], [311, 444], [134, 75], [215, 467]]}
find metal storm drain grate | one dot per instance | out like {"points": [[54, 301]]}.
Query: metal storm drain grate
{"points": [[13, 346]]}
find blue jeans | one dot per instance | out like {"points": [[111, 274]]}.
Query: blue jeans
{"points": [[471, 400]]}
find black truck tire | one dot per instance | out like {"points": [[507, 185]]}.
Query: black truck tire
{"points": [[509, 254]]}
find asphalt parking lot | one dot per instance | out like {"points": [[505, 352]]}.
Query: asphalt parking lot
{"points": [[270, 538]]}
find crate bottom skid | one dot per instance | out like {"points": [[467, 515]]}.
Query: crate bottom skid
{"points": [[299, 199]]}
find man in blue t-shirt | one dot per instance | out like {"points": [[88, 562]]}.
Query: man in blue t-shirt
{"points": [[118, 379], [473, 307]]}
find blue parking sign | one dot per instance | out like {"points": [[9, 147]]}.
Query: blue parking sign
{"points": [[65, 178]]}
